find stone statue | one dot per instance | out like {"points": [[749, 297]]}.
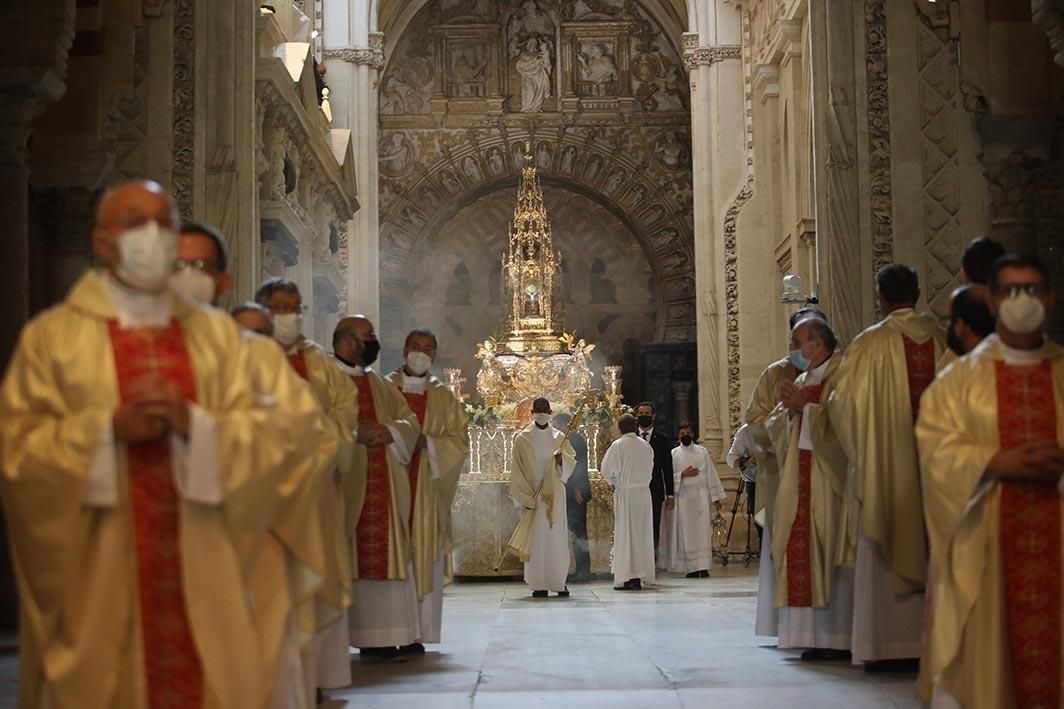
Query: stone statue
{"points": [[533, 64]]}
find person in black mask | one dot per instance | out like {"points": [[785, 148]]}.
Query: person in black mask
{"points": [[384, 622], [661, 483], [970, 319]]}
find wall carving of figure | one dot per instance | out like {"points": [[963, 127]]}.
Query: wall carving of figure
{"points": [[469, 72], [653, 215], [530, 34], [615, 180], [450, 182], [397, 154], [592, 169], [568, 159], [671, 151], [597, 70], [534, 64], [471, 170], [664, 239], [496, 164], [603, 290], [543, 156]]}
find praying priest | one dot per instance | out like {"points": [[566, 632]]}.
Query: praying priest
{"points": [[338, 398], [128, 482], [990, 433], [288, 566], [542, 461], [384, 620], [814, 595], [627, 467], [873, 407], [440, 452], [763, 402]]}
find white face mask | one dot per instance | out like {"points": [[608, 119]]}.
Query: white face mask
{"points": [[288, 327], [417, 363], [541, 419], [195, 284], [147, 254], [1022, 314]]}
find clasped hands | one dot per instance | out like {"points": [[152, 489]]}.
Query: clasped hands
{"points": [[372, 435], [1035, 464], [793, 397], [155, 409], [689, 472]]}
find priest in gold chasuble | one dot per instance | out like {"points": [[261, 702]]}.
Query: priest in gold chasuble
{"points": [[439, 456], [385, 617], [873, 407], [814, 595], [342, 497], [764, 401], [989, 434], [134, 453]]}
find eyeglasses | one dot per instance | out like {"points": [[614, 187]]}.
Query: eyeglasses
{"points": [[197, 264]]}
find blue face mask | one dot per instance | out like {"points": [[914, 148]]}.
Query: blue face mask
{"points": [[800, 361]]}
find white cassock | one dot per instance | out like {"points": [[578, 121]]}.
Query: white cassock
{"points": [[628, 466], [886, 625], [828, 628], [548, 564], [690, 542], [766, 618]]}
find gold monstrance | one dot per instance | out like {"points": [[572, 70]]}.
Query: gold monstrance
{"points": [[533, 319], [533, 356]]}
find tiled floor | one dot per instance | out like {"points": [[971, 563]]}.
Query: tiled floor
{"points": [[688, 643]]}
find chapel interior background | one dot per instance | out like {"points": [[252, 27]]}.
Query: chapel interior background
{"points": [[691, 154]]}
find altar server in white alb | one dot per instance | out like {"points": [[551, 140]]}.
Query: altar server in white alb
{"points": [[627, 467], [542, 461], [697, 485]]}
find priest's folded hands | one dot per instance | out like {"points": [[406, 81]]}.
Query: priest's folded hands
{"points": [[1037, 464]]}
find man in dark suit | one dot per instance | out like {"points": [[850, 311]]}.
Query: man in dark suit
{"points": [[577, 496], [661, 484]]}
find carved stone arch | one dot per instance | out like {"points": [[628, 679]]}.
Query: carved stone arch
{"points": [[446, 181]]}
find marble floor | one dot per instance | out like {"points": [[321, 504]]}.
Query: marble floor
{"points": [[687, 643]]}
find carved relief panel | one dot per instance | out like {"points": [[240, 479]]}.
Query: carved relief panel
{"points": [[595, 66]]}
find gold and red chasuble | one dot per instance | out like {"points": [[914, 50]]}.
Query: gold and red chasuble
{"points": [[799, 554], [419, 404], [1030, 538], [299, 363], [172, 665], [920, 368], [372, 532]]}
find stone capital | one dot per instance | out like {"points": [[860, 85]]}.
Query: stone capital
{"points": [[373, 55], [703, 56]]}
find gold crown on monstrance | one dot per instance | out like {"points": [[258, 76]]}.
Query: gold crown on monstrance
{"points": [[533, 315]]}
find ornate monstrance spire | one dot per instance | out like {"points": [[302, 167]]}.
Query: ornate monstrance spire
{"points": [[533, 315]]}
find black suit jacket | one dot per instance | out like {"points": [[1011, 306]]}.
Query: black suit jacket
{"points": [[661, 485], [579, 479]]}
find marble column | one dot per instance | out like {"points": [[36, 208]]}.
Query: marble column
{"points": [[353, 72]]}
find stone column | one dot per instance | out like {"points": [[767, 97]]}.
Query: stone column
{"points": [[681, 399], [718, 148], [230, 198], [353, 73]]}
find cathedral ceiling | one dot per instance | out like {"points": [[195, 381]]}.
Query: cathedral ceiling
{"points": [[595, 88]]}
